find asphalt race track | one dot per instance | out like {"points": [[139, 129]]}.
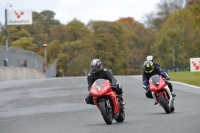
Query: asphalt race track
{"points": [[55, 105]]}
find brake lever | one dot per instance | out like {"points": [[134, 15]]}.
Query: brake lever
{"points": [[113, 86]]}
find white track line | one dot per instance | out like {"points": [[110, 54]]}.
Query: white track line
{"points": [[186, 84]]}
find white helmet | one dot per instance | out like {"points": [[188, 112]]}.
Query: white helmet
{"points": [[150, 58]]}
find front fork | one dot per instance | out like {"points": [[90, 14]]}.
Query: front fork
{"points": [[155, 95], [107, 101], [108, 104]]}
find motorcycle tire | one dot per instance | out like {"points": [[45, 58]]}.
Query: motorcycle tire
{"points": [[164, 103], [106, 112]]}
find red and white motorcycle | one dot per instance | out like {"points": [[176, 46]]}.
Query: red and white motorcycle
{"points": [[161, 93]]}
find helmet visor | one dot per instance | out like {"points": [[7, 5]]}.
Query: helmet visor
{"points": [[149, 69], [95, 69]]}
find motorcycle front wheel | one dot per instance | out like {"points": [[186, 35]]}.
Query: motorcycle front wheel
{"points": [[164, 103], [106, 112]]}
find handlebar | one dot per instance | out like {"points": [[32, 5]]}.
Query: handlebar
{"points": [[113, 86]]}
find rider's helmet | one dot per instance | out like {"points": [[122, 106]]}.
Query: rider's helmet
{"points": [[96, 65], [148, 66], [150, 58]]}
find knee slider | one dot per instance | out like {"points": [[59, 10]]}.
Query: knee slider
{"points": [[119, 86]]}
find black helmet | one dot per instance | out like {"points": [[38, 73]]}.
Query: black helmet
{"points": [[96, 65], [148, 66]]}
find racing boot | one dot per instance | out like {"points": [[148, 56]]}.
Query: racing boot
{"points": [[173, 94], [89, 99]]}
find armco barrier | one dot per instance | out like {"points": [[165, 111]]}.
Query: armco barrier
{"points": [[7, 73]]}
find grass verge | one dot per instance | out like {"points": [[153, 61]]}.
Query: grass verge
{"points": [[192, 78]]}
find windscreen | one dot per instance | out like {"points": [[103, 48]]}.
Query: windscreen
{"points": [[155, 79], [99, 82]]}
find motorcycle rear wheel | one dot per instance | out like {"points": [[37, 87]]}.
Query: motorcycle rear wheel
{"points": [[106, 112], [164, 103]]}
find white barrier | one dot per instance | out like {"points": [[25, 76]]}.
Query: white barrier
{"points": [[7, 73]]}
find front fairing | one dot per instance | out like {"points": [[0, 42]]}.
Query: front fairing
{"points": [[156, 83], [100, 87]]}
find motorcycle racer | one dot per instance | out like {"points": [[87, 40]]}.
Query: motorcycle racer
{"points": [[150, 70], [99, 72]]}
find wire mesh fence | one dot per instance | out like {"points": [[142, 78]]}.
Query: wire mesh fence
{"points": [[20, 58]]}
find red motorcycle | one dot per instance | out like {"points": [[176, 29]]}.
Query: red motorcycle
{"points": [[107, 101], [161, 93]]}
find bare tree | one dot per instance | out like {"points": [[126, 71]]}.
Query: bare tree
{"points": [[164, 9]]}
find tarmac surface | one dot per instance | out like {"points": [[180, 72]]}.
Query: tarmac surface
{"points": [[55, 105]]}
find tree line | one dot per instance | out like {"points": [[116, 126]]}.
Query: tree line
{"points": [[122, 45]]}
